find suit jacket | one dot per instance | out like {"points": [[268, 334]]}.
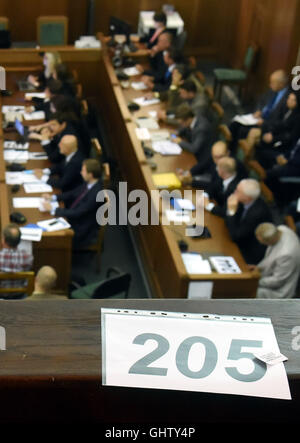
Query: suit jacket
{"points": [[220, 195], [269, 96], [280, 267], [242, 229], [283, 128], [51, 148], [82, 217], [158, 67], [66, 175], [199, 140], [146, 39]]}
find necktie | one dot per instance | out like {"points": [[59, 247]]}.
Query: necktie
{"points": [[80, 196], [268, 108]]}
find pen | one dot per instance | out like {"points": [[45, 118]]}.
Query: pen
{"points": [[53, 223]]}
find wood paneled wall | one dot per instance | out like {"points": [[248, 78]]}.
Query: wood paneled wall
{"points": [[216, 29]]}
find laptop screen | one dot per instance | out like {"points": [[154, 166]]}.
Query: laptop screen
{"points": [[19, 127]]}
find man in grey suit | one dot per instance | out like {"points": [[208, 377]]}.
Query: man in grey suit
{"points": [[280, 267]]}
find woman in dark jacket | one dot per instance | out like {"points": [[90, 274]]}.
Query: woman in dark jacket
{"points": [[279, 135]]}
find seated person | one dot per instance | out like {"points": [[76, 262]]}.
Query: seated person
{"points": [[171, 58], [267, 107], [245, 211], [81, 204], [287, 166], [52, 133], [280, 267], [13, 259], [223, 187], [187, 93], [45, 281], [195, 134], [202, 176], [279, 133], [53, 88], [62, 73], [64, 175], [156, 60], [50, 60], [160, 21]]}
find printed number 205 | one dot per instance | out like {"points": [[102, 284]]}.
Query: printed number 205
{"points": [[210, 361]]}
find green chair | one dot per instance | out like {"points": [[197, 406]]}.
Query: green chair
{"points": [[112, 286], [4, 24], [52, 30], [234, 76]]}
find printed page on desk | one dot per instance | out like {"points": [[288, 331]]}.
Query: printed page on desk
{"points": [[190, 352]]}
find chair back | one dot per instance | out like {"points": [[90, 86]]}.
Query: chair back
{"points": [[52, 30], [23, 277], [113, 286], [249, 57]]}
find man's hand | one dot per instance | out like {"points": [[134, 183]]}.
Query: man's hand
{"points": [[184, 176], [161, 114], [232, 203], [33, 80], [38, 173], [46, 134], [47, 197], [257, 114], [47, 206], [252, 268], [139, 68], [35, 136]]}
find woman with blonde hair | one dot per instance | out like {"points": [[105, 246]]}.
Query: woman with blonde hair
{"points": [[50, 61]]}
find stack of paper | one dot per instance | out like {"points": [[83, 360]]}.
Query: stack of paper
{"points": [[177, 216], [160, 136], [131, 71], [26, 202], [139, 86], [14, 145], [183, 204], [16, 156], [36, 115], [54, 224], [225, 265], [29, 95], [147, 122], [37, 156], [143, 101], [166, 147], [37, 188], [31, 234], [142, 133], [194, 263], [246, 119], [9, 108]]}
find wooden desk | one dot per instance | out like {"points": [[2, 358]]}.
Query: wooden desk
{"points": [[158, 244], [51, 370], [55, 248]]}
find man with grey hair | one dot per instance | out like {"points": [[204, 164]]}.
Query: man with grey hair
{"points": [[280, 267], [44, 284], [245, 211]]}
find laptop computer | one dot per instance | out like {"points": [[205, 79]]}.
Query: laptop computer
{"points": [[24, 85], [22, 130]]}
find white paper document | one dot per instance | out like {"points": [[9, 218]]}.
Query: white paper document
{"points": [[31, 234], [143, 101], [166, 147], [200, 290], [35, 94], [26, 202], [225, 265], [54, 224], [139, 86], [18, 178], [197, 352], [12, 108], [14, 145], [194, 264], [147, 122], [15, 156], [177, 216], [142, 134], [160, 136], [36, 115], [131, 71], [37, 156], [246, 119], [37, 187]]}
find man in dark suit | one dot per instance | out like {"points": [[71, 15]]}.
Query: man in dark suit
{"points": [[288, 166], [245, 211], [268, 106], [51, 135], [203, 176], [171, 58], [195, 134], [223, 186], [66, 174], [81, 204]]}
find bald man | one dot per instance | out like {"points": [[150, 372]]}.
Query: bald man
{"points": [[268, 107], [44, 283], [65, 175], [204, 177]]}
